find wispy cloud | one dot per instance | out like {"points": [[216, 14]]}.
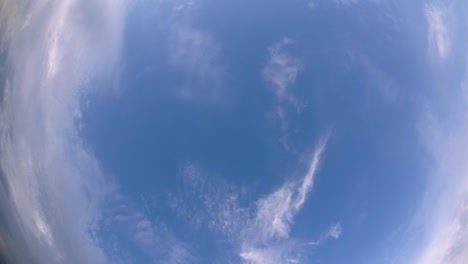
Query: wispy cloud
{"points": [[55, 183], [334, 232], [154, 239], [267, 237], [193, 52], [439, 38], [261, 231], [281, 73], [282, 70]]}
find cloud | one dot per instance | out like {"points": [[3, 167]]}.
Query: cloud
{"points": [[282, 70], [281, 73], [191, 51], [266, 239], [275, 212], [261, 231], [55, 184], [442, 217], [195, 51], [438, 33], [153, 239], [334, 232], [308, 182]]}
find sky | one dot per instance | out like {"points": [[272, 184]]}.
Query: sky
{"points": [[243, 132]]}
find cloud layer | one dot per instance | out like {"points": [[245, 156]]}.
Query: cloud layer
{"points": [[56, 185]]}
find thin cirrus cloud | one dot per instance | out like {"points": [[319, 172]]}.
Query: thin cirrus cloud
{"points": [[266, 239], [194, 50], [281, 73], [281, 70], [261, 232], [55, 183], [439, 34]]}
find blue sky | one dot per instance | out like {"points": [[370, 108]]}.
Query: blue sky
{"points": [[250, 132]]}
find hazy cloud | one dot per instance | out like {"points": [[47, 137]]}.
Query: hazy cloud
{"points": [[195, 51], [282, 70], [439, 38]]}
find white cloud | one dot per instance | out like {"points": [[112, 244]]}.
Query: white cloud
{"points": [[275, 212], [334, 232], [55, 183], [266, 238], [308, 182], [282, 70], [438, 32], [261, 231], [281, 73]]}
